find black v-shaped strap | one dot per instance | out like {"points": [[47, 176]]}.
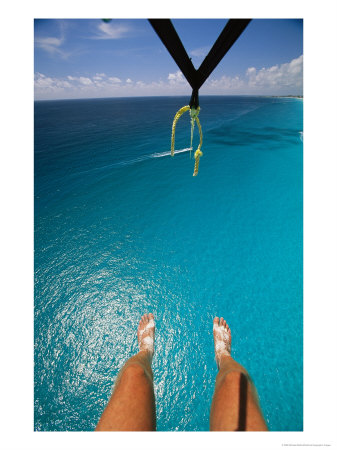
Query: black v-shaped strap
{"points": [[167, 33], [196, 78]]}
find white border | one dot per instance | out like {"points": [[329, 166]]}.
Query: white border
{"points": [[319, 233]]}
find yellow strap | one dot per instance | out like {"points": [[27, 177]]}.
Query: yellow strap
{"points": [[192, 130], [194, 114], [175, 120], [194, 117], [197, 156], [198, 153], [200, 132]]}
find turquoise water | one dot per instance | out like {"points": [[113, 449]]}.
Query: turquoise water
{"points": [[121, 229]]}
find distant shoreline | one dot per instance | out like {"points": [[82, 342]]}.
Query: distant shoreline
{"points": [[287, 96]]}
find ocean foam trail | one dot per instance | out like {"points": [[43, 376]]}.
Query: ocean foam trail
{"points": [[130, 162], [160, 155], [145, 157]]}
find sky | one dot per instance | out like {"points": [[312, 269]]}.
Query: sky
{"points": [[83, 58]]}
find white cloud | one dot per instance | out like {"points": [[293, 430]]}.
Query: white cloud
{"points": [[226, 83], [251, 71], [51, 45], [115, 80], [199, 52], [111, 31], [280, 79], [281, 76], [50, 86], [176, 78], [41, 81], [99, 76], [78, 87], [276, 80], [84, 80], [49, 41]]}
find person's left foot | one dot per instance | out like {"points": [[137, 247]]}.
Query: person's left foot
{"points": [[145, 334], [222, 339]]}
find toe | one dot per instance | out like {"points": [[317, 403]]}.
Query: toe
{"points": [[221, 321], [146, 320], [227, 327], [151, 316], [216, 321]]}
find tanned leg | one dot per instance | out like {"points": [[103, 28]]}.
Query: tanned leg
{"points": [[235, 404], [132, 404]]}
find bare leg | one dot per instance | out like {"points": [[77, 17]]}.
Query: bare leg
{"points": [[132, 404], [235, 404]]}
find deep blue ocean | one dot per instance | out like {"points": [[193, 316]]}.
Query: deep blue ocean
{"points": [[121, 229]]}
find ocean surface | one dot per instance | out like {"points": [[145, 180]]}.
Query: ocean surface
{"points": [[121, 229]]}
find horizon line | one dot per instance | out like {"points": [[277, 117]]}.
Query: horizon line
{"points": [[172, 96]]}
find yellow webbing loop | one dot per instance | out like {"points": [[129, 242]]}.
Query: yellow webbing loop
{"points": [[194, 117], [194, 114], [198, 153], [175, 120], [197, 156]]}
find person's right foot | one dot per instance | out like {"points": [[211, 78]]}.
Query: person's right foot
{"points": [[222, 339], [145, 334]]}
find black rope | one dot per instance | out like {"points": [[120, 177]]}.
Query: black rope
{"points": [[168, 35], [196, 78], [228, 36], [194, 101]]}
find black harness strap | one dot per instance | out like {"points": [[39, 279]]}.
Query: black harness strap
{"points": [[168, 35], [196, 78], [228, 36], [194, 101]]}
